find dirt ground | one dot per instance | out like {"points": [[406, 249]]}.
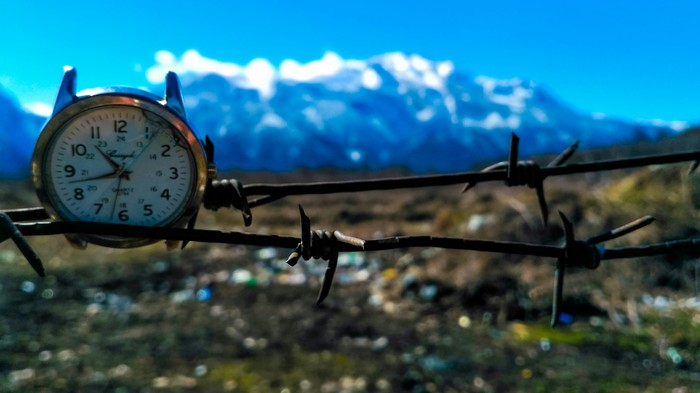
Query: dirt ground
{"points": [[215, 318]]}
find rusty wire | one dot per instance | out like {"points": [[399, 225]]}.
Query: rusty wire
{"points": [[325, 245], [17, 224], [513, 172]]}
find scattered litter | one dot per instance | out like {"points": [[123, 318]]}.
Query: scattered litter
{"points": [[241, 276], [27, 286], [182, 296], [205, 294], [266, 254], [200, 371]]}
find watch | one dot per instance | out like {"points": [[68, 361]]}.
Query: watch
{"points": [[120, 156]]}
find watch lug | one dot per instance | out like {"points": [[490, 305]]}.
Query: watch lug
{"points": [[66, 93], [173, 94]]}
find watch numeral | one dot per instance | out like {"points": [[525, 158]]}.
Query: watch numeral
{"points": [[70, 170], [78, 150], [99, 207], [173, 173], [166, 149], [78, 194], [119, 126], [147, 210], [123, 215], [95, 132], [165, 194]]}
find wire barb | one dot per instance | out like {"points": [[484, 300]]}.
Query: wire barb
{"points": [[693, 166], [323, 245], [228, 193], [584, 254], [564, 156], [527, 173], [8, 230]]}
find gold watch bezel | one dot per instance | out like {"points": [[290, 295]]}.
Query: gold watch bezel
{"points": [[129, 99]]}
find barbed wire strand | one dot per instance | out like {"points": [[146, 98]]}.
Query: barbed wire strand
{"points": [[512, 172], [326, 245], [231, 193]]}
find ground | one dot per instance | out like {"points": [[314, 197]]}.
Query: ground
{"points": [[218, 318]]}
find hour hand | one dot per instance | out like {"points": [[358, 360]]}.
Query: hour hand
{"points": [[116, 166]]}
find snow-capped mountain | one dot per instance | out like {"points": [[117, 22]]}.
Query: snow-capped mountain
{"points": [[393, 110], [390, 110]]}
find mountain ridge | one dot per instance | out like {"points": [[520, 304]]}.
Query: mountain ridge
{"points": [[391, 110]]}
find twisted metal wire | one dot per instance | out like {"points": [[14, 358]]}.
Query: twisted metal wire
{"points": [[326, 245], [512, 172], [231, 193]]}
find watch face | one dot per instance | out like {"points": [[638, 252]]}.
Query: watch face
{"points": [[118, 164]]}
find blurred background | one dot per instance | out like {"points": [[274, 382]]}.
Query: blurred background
{"points": [[312, 90]]}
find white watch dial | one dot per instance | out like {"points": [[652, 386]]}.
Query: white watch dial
{"points": [[119, 164]]}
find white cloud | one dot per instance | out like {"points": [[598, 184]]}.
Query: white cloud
{"points": [[328, 65], [419, 63], [397, 62], [445, 68], [260, 74], [190, 62], [40, 108]]}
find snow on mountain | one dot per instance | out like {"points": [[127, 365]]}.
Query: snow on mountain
{"points": [[392, 110]]}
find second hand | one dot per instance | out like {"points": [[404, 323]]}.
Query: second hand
{"points": [[116, 197]]}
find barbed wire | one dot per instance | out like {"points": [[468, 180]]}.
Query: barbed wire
{"points": [[513, 172], [314, 244]]}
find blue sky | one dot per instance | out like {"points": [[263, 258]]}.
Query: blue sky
{"points": [[632, 59]]}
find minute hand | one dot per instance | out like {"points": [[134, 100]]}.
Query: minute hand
{"points": [[136, 157]]}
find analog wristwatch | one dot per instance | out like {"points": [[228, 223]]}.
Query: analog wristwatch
{"points": [[120, 156]]}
